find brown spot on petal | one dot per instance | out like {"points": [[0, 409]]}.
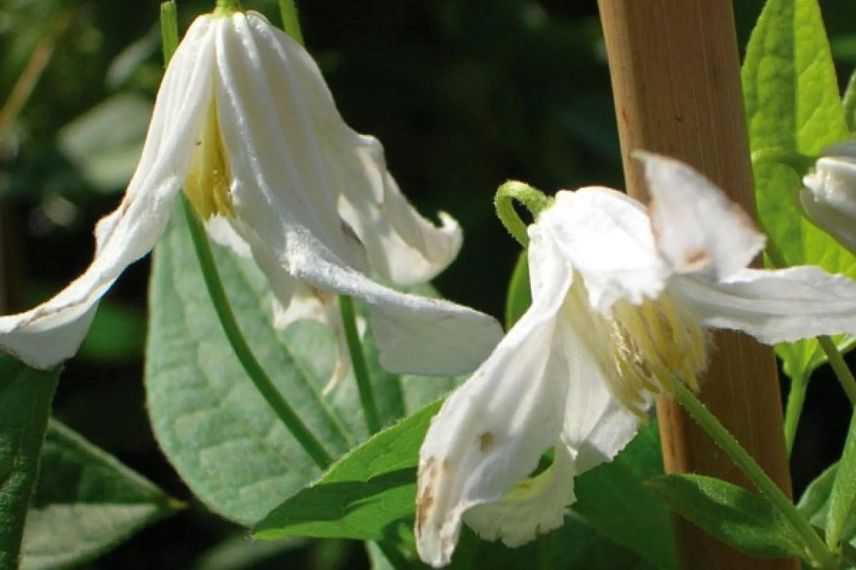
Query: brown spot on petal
{"points": [[486, 441], [696, 257]]}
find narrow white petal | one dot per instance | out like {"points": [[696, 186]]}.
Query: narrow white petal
{"points": [[402, 246], [414, 334], [492, 431], [220, 230], [607, 238], [774, 306], [597, 426], [697, 227], [533, 506], [52, 332], [267, 87], [489, 435]]}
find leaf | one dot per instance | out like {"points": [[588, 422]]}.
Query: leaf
{"points": [[371, 493], [842, 497], [744, 520], [105, 143], [814, 504], [211, 423], [364, 495], [614, 499], [25, 401], [792, 104], [85, 503], [519, 297]]}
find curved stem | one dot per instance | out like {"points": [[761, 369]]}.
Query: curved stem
{"points": [[534, 200], [719, 434], [358, 362], [794, 408], [259, 377], [290, 20], [842, 371], [227, 7]]}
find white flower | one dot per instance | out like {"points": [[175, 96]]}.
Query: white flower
{"points": [[829, 195], [620, 298], [245, 122]]}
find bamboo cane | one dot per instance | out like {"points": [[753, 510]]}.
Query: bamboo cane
{"points": [[676, 84]]}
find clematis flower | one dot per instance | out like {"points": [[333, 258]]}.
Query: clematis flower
{"points": [[246, 124], [829, 194], [621, 298]]}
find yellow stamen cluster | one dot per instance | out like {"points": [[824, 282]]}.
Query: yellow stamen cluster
{"points": [[639, 346], [207, 184]]}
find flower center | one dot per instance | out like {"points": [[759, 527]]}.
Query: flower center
{"points": [[207, 183], [637, 346]]}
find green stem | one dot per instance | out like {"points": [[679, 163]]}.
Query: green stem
{"points": [[719, 434], [263, 383], [259, 377], [358, 362], [793, 411], [534, 200], [291, 20], [227, 7], [842, 371], [169, 29], [849, 103]]}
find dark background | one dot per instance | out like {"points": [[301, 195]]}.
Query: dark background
{"points": [[464, 95]]}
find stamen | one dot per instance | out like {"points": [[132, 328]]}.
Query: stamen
{"points": [[208, 180]]}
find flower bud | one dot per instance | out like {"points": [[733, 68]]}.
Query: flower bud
{"points": [[829, 194]]}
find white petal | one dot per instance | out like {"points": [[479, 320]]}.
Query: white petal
{"points": [[492, 431], [597, 426], [607, 238], [697, 227], [52, 332], [837, 222], [267, 91], [533, 506], [220, 230], [774, 306], [308, 303], [402, 246]]}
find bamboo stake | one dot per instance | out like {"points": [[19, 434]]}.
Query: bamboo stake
{"points": [[676, 84]]}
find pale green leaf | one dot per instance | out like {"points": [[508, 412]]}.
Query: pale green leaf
{"points": [[793, 105], [25, 402], [85, 503], [814, 504], [364, 495], [211, 423], [744, 520], [105, 143]]}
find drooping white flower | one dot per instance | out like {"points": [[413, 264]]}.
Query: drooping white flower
{"points": [[620, 298], [829, 194], [246, 124]]}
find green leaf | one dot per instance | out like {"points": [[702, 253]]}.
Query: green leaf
{"points": [[793, 105], [744, 520], [85, 503], [105, 143], [614, 499], [814, 504], [364, 495], [519, 297], [211, 423], [25, 401], [371, 493], [842, 497]]}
